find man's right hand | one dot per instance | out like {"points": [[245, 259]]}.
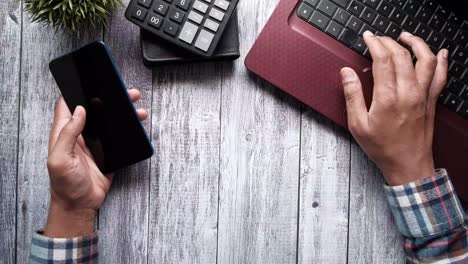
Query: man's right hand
{"points": [[397, 131], [77, 186]]}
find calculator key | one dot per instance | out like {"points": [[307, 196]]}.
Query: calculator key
{"points": [[312, 2], [184, 4], [368, 15], [145, 3], [349, 38], [188, 32], [195, 17], [435, 40], [342, 3], [139, 13], [216, 14], [453, 102], [204, 40], [161, 8], [155, 21], [460, 55], [171, 28], [341, 16], [334, 29], [200, 6], [381, 24], [464, 110], [327, 7], [176, 15], [456, 70], [360, 46], [356, 8], [354, 24], [393, 31], [223, 4], [210, 24], [385, 8], [455, 86]]}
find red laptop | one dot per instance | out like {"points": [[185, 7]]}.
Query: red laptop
{"points": [[306, 42]]}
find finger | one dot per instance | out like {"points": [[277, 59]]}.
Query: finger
{"points": [[426, 60], [71, 131], [355, 104], [134, 94], [61, 116], [402, 62], [440, 76], [382, 66], [142, 113]]}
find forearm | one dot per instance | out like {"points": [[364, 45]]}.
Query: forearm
{"points": [[431, 219]]}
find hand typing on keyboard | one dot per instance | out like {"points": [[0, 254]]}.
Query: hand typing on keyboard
{"points": [[397, 130]]}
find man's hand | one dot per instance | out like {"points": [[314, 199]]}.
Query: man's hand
{"points": [[397, 131], [77, 186]]}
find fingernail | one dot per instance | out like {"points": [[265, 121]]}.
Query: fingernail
{"points": [[407, 34], [368, 33], [445, 53], [76, 113], [347, 75]]}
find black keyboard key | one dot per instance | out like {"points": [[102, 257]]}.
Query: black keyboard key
{"points": [[145, 3], [176, 15], [462, 37], [449, 30], [460, 55], [366, 27], [327, 8], [385, 9], [435, 40], [319, 20], [455, 86], [410, 24], [423, 32], [449, 45], [355, 24], [399, 3], [342, 3], [304, 11], [184, 4], [398, 16], [456, 20], [394, 31], [444, 96], [464, 110], [412, 7], [437, 22], [155, 21], [456, 70], [372, 3], [431, 4], [453, 102], [368, 15], [442, 13], [349, 37], [356, 8], [171, 28], [334, 29], [341, 16], [139, 13], [424, 14], [381, 24], [360, 46], [464, 94], [161, 8]]}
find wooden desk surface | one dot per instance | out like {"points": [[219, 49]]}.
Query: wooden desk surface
{"points": [[242, 173]]}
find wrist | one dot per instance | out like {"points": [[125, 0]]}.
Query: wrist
{"points": [[63, 222], [409, 174]]}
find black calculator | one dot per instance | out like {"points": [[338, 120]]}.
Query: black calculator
{"points": [[195, 25]]}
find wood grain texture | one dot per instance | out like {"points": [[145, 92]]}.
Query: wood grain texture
{"points": [[324, 191], [185, 168], [10, 43], [260, 136], [38, 95], [373, 237], [124, 216]]}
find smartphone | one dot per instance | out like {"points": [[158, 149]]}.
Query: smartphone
{"points": [[113, 132]]}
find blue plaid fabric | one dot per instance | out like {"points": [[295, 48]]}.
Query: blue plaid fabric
{"points": [[431, 219], [46, 250], [428, 214]]}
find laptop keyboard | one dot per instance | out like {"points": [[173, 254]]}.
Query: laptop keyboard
{"points": [[346, 21]]}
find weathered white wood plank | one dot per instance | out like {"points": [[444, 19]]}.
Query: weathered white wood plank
{"points": [[324, 191], [260, 137], [38, 95], [373, 237], [124, 216], [185, 168], [10, 43]]}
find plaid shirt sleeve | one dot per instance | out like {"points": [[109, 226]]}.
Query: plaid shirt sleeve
{"points": [[431, 219], [63, 250]]}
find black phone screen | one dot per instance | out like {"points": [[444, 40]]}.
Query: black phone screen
{"points": [[113, 131]]}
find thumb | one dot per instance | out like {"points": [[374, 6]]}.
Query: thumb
{"points": [[355, 104], [71, 131]]}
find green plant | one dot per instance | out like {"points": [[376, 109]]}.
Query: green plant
{"points": [[71, 14]]}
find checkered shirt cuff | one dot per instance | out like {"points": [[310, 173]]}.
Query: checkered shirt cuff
{"points": [[426, 207], [63, 250]]}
